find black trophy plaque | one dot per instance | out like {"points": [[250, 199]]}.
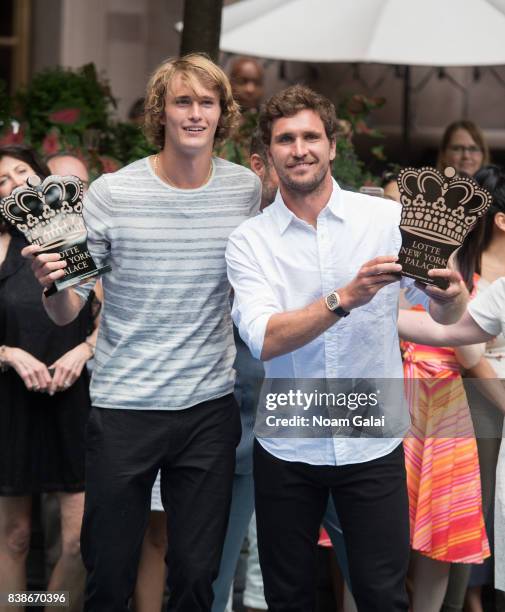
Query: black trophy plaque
{"points": [[49, 214], [438, 211]]}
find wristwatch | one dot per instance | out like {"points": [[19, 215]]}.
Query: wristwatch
{"points": [[333, 303]]}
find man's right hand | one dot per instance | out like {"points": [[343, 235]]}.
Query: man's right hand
{"points": [[63, 306], [370, 279], [47, 267]]}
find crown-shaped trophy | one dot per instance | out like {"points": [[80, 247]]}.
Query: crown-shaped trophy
{"points": [[49, 214], [438, 211]]}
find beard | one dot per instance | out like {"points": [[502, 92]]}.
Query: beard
{"points": [[303, 185]]}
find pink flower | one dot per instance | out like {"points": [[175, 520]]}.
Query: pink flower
{"points": [[362, 128], [10, 137], [51, 143], [357, 104], [66, 116]]}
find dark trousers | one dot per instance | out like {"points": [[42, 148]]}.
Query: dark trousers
{"points": [[195, 449], [372, 505]]}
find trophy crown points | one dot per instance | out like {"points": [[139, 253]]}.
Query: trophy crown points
{"points": [[38, 204], [443, 207], [33, 181]]}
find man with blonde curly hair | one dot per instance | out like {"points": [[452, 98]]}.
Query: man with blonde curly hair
{"points": [[162, 389]]}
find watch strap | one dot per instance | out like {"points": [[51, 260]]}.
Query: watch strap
{"points": [[341, 312]]}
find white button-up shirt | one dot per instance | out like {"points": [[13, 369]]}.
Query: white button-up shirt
{"points": [[278, 262]]}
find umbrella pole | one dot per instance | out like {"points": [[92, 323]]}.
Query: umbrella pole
{"points": [[406, 118]]}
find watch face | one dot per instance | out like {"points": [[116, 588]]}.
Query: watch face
{"points": [[332, 301]]}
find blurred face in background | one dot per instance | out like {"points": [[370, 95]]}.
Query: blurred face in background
{"points": [[68, 165], [268, 177], [392, 191], [247, 83], [13, 173], [463, 153]]}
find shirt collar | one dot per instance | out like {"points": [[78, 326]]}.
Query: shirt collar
{"points": [[284, 216]]}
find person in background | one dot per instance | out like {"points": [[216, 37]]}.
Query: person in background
{"points": [[390, 185], [247, 80], [486, 250], [62, 163], [151, 574], [136, 112], [463, 147], [431, 362], [250, 374], [66, 164], [484, 321], [445, 504], [261, 166], [44, 403]]}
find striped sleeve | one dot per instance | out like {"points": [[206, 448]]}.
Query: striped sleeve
{"points": [[98, 219]]}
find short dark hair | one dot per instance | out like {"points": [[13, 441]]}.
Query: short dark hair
{"points": [[258, 147], [291, 101], [469, 255], [492, 178], [137, 109]]}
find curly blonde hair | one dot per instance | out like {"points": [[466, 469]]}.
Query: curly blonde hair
{"points": [[196, 69]]}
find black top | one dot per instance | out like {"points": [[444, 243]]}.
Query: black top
{"points": [[23, 321], [41, 437]]}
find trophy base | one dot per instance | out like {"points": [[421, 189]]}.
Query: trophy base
{"points": [[418, 255], [59, 285], [442, 283]]}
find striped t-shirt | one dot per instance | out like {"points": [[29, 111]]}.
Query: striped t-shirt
{"points": [[165, 339]]}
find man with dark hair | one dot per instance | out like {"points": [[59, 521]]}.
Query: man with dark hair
{"points": [[162, 388], [261, 166], [307, 305]]}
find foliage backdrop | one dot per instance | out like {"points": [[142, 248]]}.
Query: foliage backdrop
{"points": [[73, 110]]}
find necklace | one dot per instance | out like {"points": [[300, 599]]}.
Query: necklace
{"points": [[158, 168]]}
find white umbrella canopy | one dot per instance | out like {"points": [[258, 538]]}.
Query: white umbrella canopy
{"points": [[408, 32]]}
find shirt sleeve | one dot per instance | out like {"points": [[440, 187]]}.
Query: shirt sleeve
{"points": [[254, 301], [97, 218], [488, 307]]}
